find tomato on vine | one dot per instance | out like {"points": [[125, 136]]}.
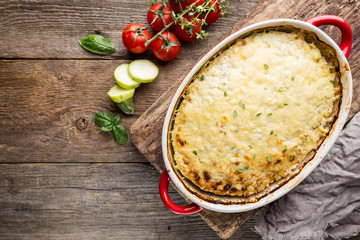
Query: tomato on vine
{"points": [[166, 47], [159, 15], [134, 38], [214, 13], [188, 29], [180, 5], [189, 18]]}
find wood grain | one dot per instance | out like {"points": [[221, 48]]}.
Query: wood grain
{"points": [[92, 201], [47, 102], [58, 25], [42, 100], [44, 94], [47, 110], [146, 131]]}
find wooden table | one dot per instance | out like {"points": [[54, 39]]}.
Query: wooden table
{"points": [[61, 177]]}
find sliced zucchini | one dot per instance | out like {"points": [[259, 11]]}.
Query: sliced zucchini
{"points": [[119, 94], [122, 77], [143, 71], [127, 106]]}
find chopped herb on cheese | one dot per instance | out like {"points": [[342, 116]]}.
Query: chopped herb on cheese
{"points": [[285, 149], [242, 105]]}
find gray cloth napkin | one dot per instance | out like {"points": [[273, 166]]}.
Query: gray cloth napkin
{"points": [[327, 202]]}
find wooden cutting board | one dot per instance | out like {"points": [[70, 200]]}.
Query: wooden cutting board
{"points": [[146, 131]]}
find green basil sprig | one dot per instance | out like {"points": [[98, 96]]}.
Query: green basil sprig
{"points": [[97, 44], [127, 106], [109, 123]]}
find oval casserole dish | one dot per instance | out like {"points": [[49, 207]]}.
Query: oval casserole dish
{"points": [[242, 131]]}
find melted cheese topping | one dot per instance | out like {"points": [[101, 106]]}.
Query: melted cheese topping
{"points": [[254, 113]]}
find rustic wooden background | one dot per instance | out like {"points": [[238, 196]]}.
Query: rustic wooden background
{"points": [[146, 131], [61, 177]]}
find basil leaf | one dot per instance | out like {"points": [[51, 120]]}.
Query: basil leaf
{"points": [[104, 120], [107, 128], [127, 106], [97, 44], [120, 134], [116, 119]]}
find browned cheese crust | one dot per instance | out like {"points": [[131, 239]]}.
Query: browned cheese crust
{"points": [[253, 114]]}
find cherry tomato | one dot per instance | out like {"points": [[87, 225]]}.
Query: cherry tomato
{"points": [[213, 15], [178, 5], [134, 38], [188, 33], [158, 16], [166, 47]]}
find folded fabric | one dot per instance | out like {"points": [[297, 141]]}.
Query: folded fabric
{"points": [[327, 202]]}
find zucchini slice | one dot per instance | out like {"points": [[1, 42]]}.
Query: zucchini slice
{"points": [[122, 77], [119, 94], [143, 71]]}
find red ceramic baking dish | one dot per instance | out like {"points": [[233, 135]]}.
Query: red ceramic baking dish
{"points": [[229, 204]]}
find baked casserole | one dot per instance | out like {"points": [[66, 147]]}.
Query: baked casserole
{"points": [[255, 112]]}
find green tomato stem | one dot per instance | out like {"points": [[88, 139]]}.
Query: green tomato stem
{"points": [[170, 24]]}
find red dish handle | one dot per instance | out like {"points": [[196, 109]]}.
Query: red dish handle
{"points": [[346, 32], [164, 193]]}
